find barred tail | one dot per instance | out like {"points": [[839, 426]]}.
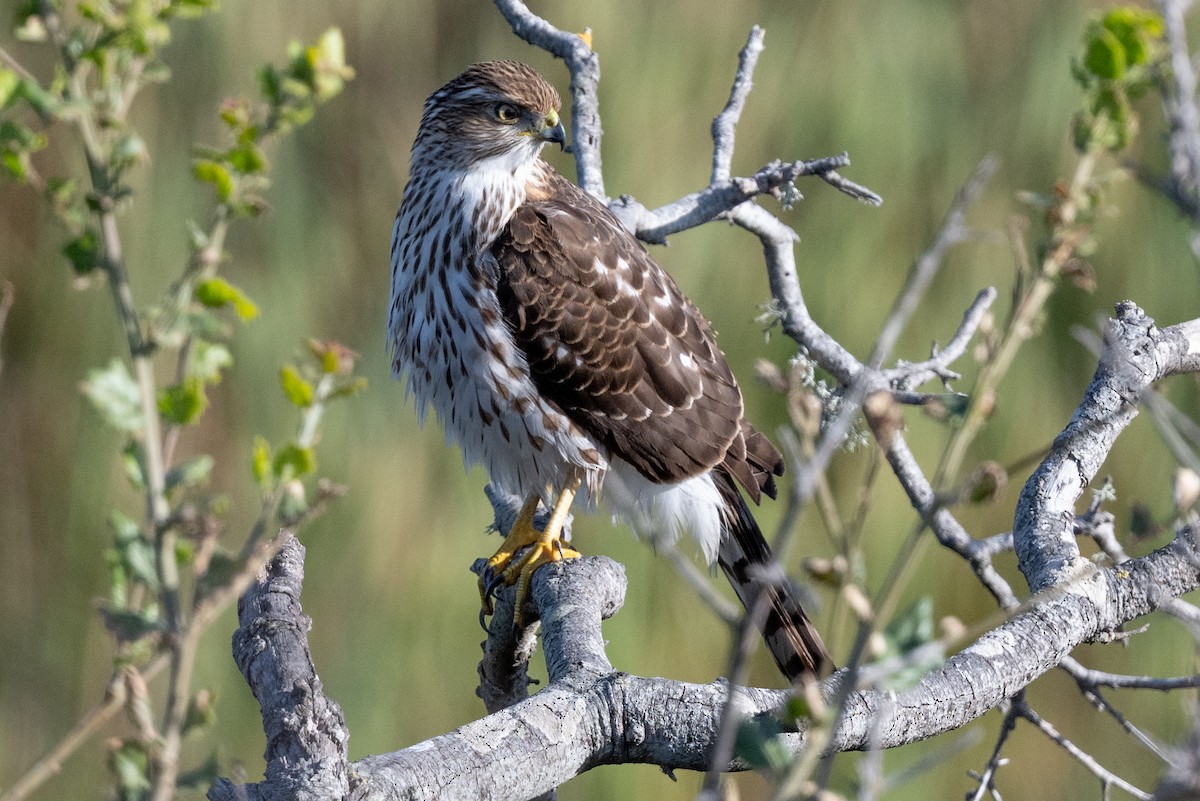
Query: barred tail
{"points": [[790, 636]]}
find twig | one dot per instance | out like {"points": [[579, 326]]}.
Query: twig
{"points": [[1099, 678], [1082, 757], [1092, 693], [937, 365], [1066, 236], [987, 779], [724, 125], [720, 197], [584, 66], [952, 231], [1179, 105], [720, 606]]}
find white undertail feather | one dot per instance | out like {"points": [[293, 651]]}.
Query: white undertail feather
{"points": [[661, 512]]}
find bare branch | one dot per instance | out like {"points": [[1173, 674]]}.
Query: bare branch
{"points": [[718, 198], [953, 231], [724, 125], [1087, 760], [1179, 106], [6, 302], [306, 733], [1099, 678], [592, 715], [1136, 354], [584, 66], [938, 365]]}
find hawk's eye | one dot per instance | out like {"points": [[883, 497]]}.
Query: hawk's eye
{"points": [[507, 113]]}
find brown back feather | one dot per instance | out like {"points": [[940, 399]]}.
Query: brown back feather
{"points": [[611, 340]]}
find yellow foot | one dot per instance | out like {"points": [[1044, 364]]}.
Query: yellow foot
{"points": [[521, 571], [510, 565], [521, 535]]}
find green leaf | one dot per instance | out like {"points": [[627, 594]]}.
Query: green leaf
{"points": [[206, 325], [45, 104], [235, 112], [292, 504], [114, 394], [29, 27], [117, 579], [130, 765], [136, 552], [9, 82], [128, 151], [208, 360], [183, 403], [217, 293], [193, 472], [222, 567], [268, 81], [1105, 57], [908, 631], [131, 626], [758, 742], [247, 159], [185, 552], [190, 9], [202, 711], [201, 777], [260, 463], [133, 457], [1137, 30], [299, 461], [212, 172], [298, 390], [796, 709], [911, 628], [335, 358], [328, 60], [17, 142], [83, 252]]}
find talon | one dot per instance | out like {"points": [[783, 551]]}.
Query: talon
{"points": [[525, 549]]}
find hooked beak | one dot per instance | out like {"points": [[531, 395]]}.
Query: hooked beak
{"points": [[553, 130]]}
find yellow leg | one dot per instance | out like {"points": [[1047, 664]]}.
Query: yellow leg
{"points": [[540, 547], [521, 535]]}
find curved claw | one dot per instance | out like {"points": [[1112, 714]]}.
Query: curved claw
{"points": [[525, 549]]}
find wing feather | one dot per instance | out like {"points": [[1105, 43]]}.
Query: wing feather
{"points": [[610, 339]]}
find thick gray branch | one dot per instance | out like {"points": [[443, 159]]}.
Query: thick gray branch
{"points": [[306, 733], [1135, 355], [591, 715]]}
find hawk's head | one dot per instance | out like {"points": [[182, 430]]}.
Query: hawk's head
{"points": [[497, 108]]}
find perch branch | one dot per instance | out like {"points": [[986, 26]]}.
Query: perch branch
{"points": [[592, 715], [306, 733]]}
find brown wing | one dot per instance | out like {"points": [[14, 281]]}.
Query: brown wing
{"points": [[611, 340]]}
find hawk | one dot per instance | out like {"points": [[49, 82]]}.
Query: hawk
{"points": [[560, 356]]}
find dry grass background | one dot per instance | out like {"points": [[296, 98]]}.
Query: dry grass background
{"points": [[917, 92]]}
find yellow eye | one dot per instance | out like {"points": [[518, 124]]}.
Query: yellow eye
{"points": [[507, 113]]}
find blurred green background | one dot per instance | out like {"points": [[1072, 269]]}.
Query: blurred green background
{"points": [[916, 92]]}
